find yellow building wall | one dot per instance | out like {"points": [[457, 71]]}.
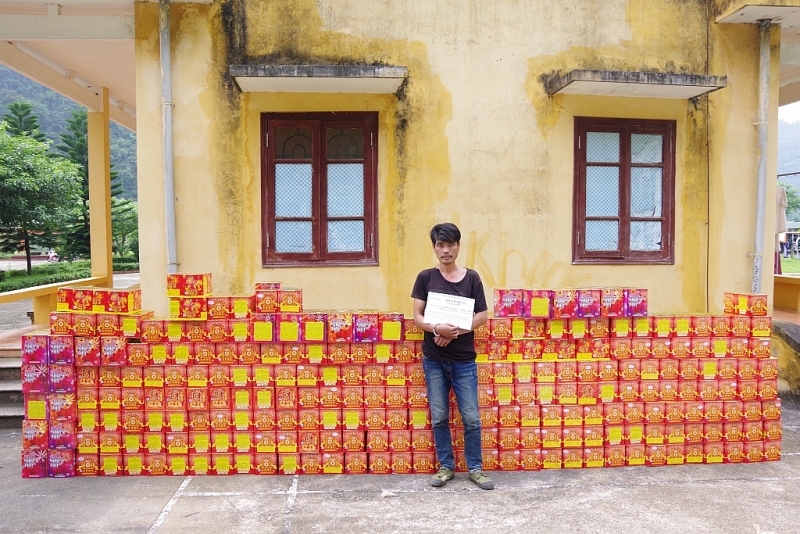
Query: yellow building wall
{"points": [[473, 138]]}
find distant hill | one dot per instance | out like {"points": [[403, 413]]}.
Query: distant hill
{"points": [[54, 110]]}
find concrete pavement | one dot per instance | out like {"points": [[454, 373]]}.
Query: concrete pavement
{"points": [[745, 498]]}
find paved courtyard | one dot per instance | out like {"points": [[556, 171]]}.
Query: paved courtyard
{"points": [[745, 498]]}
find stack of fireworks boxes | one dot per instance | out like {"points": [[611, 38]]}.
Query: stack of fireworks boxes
{"points": [[586, 378], [254, 384], [225, 385]]}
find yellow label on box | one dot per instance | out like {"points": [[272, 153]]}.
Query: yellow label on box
{"points": [[197, 382], [621, 328], [709, 369], [222, 464], [662, 327], [657, 440], [330, 376], [675, 439], [155, 420], [332, 469], [200, 464], [583, 356], [110, 464], [578, 329], [682, 326], [391, 331], [242, 398], [240, 308], [419, 418], [261, 375], [174, 308], [289, 464], [546, 394], [675, 461], [134, 464], [110, 420], [132, 443], [329, 419], [174, 331], [607, 393], [242, 440], [615, 435], [159, 352], [650, 375], [720, 347], [264, 398], [221, 442], [395, 381], [177, 449], [636, 433], [178, 464], [351, 420], [742, 307], [62, 306], [549, 356], [315, 331], [242, 463], [201, 442], [109, 404], [239, 376], [635, 461], [587, 400], [262, 331], [181, 354], [514, 357], [642, 326], [239, 331], [315, 353], [505, 394], [540, 307], [517, 328], [128, 326], [88, 421], [482, 358], [524, 373], [154, 442], [382, 352], [289, 331], [556, 328]]}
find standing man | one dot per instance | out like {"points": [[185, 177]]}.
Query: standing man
{"points": [[449, 356]]}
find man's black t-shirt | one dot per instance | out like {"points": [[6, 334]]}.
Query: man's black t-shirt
{"points": [[462, 348]]}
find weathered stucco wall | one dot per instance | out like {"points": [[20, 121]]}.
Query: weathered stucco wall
{"points": [[472, 138]]}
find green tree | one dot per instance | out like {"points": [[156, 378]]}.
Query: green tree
{"points": [[76, 240], [23, 121], [793, 199], [125, 225], [37, 193]]}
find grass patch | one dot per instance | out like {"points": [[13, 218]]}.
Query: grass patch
{"points": [[790, 265]]}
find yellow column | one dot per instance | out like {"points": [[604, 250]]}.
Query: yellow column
{"points": [[42, 306], [100, 190]]}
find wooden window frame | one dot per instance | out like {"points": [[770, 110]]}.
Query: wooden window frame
{"points": [[320, 256], [625, 127]]}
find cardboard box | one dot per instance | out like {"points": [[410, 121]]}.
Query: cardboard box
{"points": [[590, 302], [538, 303], [60, 324], [189, 285], [636, 302], [565, 304], [509, 302], [613, 302]]}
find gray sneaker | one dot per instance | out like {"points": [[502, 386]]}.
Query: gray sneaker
{"points": [[440, 479], [481, 480]]}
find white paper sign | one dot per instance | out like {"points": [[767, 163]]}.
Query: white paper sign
{"points": [[441, 308]]}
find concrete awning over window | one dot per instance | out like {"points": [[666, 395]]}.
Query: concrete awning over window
{"points": [[639, 84], [318, 78]]}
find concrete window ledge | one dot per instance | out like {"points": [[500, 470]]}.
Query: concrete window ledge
{"points": [[373, 79], [634, 84]]}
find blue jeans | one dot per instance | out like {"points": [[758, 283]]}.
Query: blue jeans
{"points": [[462, 377]]}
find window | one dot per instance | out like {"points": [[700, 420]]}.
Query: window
{"points": [[623, 204], [319, 189]]}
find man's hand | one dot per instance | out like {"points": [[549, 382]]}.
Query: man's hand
{"points": [[442, 341], [447, 330]]}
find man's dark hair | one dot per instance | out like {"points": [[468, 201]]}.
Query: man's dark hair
{"points": [[446, 233]]}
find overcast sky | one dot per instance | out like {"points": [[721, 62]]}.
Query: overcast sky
{"points": [[789, 112]]}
